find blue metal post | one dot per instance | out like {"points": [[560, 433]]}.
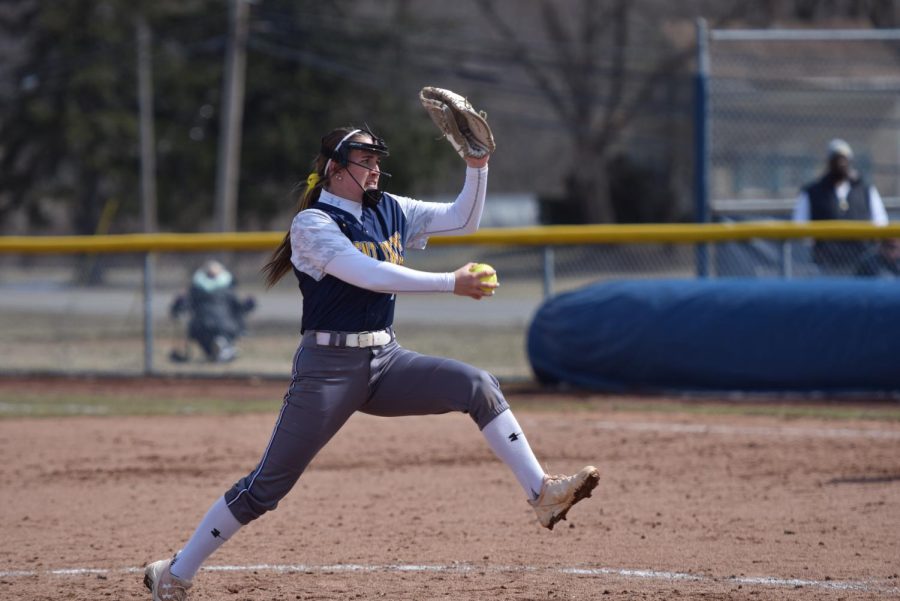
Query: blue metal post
{"points": [[701, 143]]}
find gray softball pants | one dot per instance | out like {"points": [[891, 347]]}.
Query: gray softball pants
{"points": [[330, 383]]}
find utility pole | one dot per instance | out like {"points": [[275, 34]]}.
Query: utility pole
{"points": [[228, 162], [147, 138], [148, 173]]}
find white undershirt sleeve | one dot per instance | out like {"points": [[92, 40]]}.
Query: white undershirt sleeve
{"points": [[458, 218], [876, 207], [380, 276], [318, 247]]}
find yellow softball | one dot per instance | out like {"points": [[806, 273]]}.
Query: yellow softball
{"points": [[489, 279]]}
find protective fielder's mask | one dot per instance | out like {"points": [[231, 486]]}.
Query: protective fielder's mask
{"points": [[341, 156]]}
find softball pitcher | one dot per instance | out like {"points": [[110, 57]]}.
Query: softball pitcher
{"points": [[346, 247]]}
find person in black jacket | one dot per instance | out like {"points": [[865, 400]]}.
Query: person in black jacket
{"points": [[840, 193], [217, 315]]}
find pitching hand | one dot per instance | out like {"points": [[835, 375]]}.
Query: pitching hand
{"points": [[469, 283]]}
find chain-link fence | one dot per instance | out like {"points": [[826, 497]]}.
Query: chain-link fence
{"points": [[87, 313], [776, 101]]}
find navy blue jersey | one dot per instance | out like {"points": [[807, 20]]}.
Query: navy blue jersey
{"points": [[333, 304]]}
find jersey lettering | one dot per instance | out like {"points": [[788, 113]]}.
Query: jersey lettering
{"points": [[367, 248], [393, 249], [332, 304]]}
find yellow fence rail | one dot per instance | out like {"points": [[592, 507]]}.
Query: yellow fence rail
{"points": [[685, 233], [546, 237]]}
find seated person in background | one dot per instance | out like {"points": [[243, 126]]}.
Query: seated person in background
{"points": [[882, 263], [216, 313], [840, 194]]}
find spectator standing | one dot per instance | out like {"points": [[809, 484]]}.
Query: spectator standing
{"points": [[841, 193]]}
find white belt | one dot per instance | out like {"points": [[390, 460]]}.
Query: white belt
{"points": [[352, 339]]}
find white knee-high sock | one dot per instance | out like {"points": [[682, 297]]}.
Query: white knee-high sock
{"points": [[506, 439], [216, 527]]}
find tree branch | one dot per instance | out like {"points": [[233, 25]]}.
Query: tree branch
{"points": [[520, 51], [607, 134]]}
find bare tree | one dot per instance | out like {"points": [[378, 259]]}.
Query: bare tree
{"points": [[592, 84]]}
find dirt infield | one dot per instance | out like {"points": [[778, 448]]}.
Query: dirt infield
{"points": [[692, 504]]}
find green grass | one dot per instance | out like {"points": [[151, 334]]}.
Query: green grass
{"points": [[788, 410], [58, 404], [88, 344], [62, 405], [784, 411]]}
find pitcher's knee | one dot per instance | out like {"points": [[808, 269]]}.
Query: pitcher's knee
{"points": [[487, 400], [246, 507], [251, 497]]}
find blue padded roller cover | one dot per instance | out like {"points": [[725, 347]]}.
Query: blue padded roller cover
{"points": [[728, 334]]}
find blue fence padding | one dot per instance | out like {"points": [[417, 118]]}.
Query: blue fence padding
{"points": [[743, 334]]}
